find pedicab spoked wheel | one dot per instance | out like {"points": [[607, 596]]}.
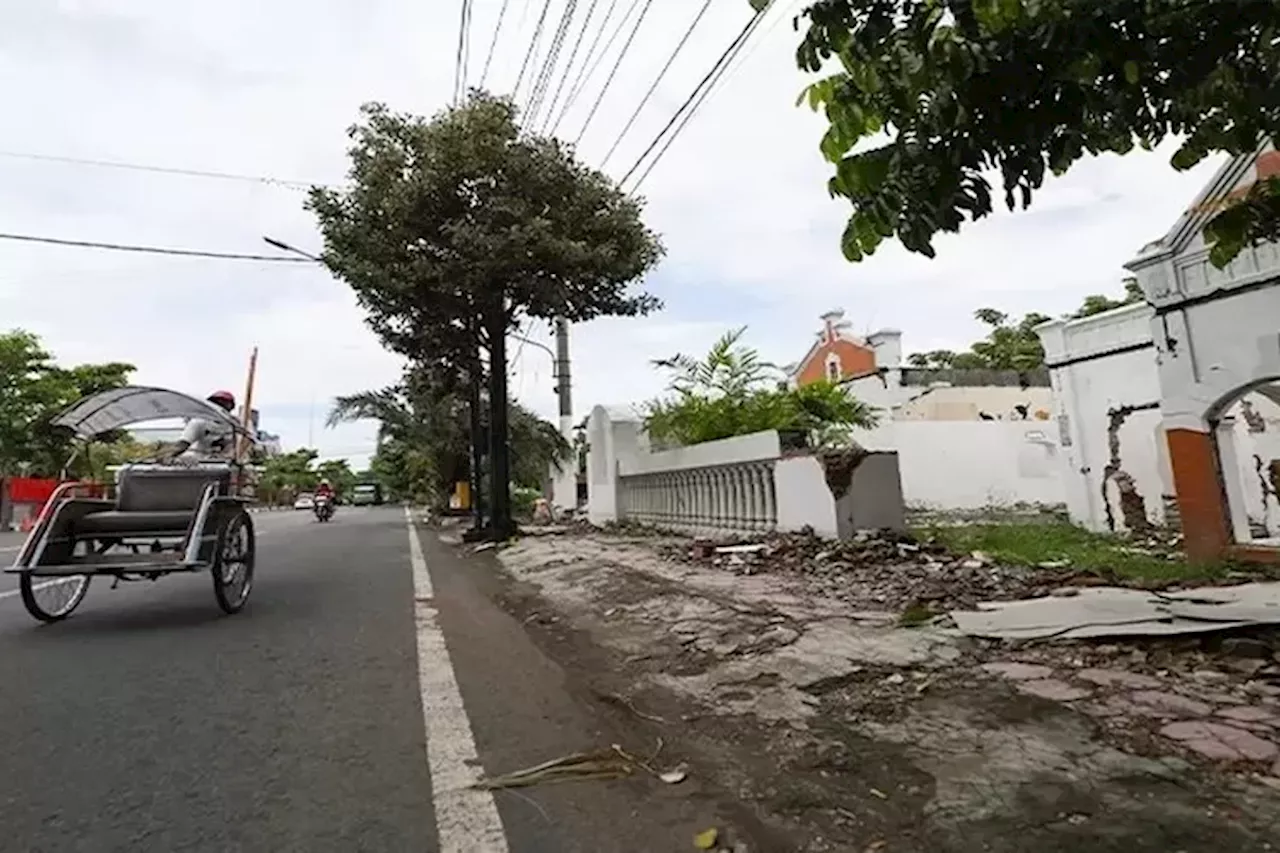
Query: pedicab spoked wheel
{"points": [[52, 599], [233, 560]]}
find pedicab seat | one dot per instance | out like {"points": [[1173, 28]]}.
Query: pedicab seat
{"points": [[155, 499]]}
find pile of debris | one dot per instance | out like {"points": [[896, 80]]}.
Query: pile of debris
{"points": [[886, 570]]}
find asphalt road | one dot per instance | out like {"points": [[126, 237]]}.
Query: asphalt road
{"points": [[148, 721]]}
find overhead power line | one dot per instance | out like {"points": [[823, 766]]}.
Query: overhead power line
{"points": [[652, 88], [568, 68], [693, 102], [154, 250], [464, 49], [163, 170], [631, 37], [580, 81], [742, 60], [502, 13], [533, 47], [553, 57]]}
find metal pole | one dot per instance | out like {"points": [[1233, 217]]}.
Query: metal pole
{"points": [[564, 489], [563, 384]]}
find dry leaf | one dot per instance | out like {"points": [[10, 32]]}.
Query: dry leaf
{"points": [[706, 839], [674, 777], [875, 792]]}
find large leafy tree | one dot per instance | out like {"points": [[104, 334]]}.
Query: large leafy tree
{"points": [[33, 389], [946, 94], [455, 229], [731, 391]]}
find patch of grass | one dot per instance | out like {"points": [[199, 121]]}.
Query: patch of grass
{"points": [[1030, 544], [915, 615]]}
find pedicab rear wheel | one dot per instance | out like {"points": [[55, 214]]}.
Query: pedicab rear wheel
{"points": [[233, 562], [52, 599]]}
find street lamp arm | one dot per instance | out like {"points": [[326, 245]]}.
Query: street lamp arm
{"points": [[285, 247]]}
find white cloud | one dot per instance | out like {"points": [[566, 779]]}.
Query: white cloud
{"points": [[241, 87]]}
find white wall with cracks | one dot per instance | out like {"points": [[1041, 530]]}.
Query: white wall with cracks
{"points": [[1106, 397], [1114, 463]]}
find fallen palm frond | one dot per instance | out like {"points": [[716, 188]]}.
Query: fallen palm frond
{"points": [[612, 763], [626, 704], [602, 764]]}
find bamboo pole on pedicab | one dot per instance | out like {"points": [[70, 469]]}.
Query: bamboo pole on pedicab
{"points": [[246, 418]]}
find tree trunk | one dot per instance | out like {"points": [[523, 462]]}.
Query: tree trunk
{"points": [[477, 449], [501, 522]]}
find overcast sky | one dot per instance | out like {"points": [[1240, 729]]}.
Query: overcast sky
{"points": [[269, 88]]}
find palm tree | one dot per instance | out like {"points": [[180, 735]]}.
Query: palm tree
{"points": [[423, 424]]}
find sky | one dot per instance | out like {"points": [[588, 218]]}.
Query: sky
{"points": [[270, 89]]}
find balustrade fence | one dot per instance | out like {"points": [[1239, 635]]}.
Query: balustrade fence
{"points": [[736, 496]]}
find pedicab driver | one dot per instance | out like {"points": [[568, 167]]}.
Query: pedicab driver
{"points": [[205, 438]]}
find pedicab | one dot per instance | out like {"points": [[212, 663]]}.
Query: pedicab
{"points": [[164, 517]]}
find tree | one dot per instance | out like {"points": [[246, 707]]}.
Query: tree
{"points": [[731, 391], [1098, 304], [339, 474], [34, 389], [287, 474], [455, 229], [1016, 346], [953, 90]]}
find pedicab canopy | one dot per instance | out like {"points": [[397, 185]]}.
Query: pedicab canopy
{"points": [[123, 407]]}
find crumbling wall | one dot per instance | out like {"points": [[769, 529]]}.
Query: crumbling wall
{"points": [[1256, 435], [1130, 503]]}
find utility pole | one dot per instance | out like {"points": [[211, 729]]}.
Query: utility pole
{"points": [[565, 489], [476, 417]]}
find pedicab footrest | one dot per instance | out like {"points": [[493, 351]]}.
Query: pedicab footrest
{"points": [[108, 563]]}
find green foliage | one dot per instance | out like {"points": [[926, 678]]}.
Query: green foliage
{"points": [[451, 214], [954, 90], [284, 476], [33, 389], [523, 498], [732, 392], [339, 474], [425, 446], [1016, 346], [1111, 557], [1098, 304]]}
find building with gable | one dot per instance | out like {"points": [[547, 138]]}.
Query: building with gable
{"points": [[871, 368]]}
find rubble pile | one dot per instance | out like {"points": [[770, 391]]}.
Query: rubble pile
{"points": [[886, 570]]}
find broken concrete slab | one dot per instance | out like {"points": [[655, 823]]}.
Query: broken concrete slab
{"points": [[1171, 702], [1251, 714], [1018, 671], [1052, 688], [1115, 611], [1220, 741], [1118, 678]]}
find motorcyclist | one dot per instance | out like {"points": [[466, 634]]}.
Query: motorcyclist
{"points": [[325, 490]]}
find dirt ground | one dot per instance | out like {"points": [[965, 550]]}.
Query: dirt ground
{"points": [[818, 724]]}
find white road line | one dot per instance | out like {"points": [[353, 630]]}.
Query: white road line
{"points": [[467, 821]]}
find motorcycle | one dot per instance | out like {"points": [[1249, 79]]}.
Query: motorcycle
{"points": [[323, 507]]}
